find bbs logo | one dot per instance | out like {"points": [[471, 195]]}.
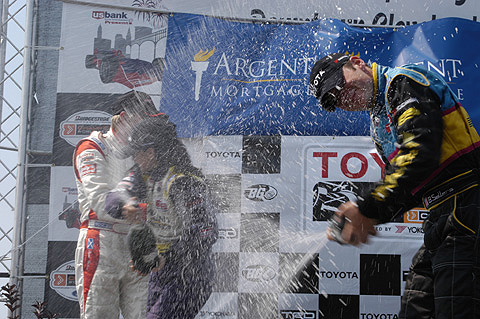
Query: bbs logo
{"points": [[258, 273], [260, 192], [297, 314]]}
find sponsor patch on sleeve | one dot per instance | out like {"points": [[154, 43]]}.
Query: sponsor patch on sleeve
{"points": [[88, 169], [87, 156], [404, 104]]}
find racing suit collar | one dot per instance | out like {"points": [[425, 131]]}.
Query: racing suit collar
{"points": [[160, 171], [375, 85]]}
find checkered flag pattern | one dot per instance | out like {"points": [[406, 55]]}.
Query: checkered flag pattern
{"points": [[268, 257], [275, 195]]}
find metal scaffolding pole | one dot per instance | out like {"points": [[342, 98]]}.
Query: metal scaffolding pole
{"points": [[3, 50], [16, 271]]}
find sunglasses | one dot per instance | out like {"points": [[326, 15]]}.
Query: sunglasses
{"points": [[330, 99]]}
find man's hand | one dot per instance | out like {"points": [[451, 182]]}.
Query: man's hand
{"points": [[160, 264], [131, 212], [357, 227], [143, 249]]}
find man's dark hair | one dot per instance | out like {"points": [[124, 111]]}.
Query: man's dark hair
{"points": [[160, 134], [135, 102], [327, 75]]}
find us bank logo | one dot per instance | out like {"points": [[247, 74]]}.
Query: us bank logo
{"points": [[112, 17], [200, 65]]}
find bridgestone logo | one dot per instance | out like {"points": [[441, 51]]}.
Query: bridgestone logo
{"points": [[93, 118]]}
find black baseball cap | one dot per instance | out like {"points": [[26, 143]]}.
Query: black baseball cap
{"points": [[326, 75]]}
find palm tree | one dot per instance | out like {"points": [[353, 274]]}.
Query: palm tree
{"points": [[155, 19]]}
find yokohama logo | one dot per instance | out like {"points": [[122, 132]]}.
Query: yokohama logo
{"points": [[400, 229]]}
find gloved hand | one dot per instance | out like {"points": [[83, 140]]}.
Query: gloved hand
{"points": [[143, 249]]}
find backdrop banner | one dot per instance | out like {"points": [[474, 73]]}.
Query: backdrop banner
{"points": [[241, 78], [278, 164], [354, 12]]}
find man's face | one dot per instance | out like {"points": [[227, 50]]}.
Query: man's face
{"points": [[126, 125], [145, 159], [133, 120], [123, 129], [357, 93]]}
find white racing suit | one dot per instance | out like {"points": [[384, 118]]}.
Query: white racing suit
{"points": [[105, 283]]}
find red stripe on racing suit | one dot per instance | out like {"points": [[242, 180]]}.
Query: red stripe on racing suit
{"points": [[90, 260]]}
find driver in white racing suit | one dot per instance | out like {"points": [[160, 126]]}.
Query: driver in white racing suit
{"points": [[105, 284]]}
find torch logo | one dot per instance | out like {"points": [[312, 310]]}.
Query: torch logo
{"points": [[199, 65]]}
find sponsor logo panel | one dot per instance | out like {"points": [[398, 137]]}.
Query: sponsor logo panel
{"points": [[392, 14], [260, 192], [337, 173], [223, 154], [258, 273], [376, 307], [228, 233], [64, 211], [62, 280], [298, 305], [111, 17], [81, 124], [416, 216], [267, 75], [413, 230], [216, 154], [298, 314], [342, 279], [219, 306]]}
